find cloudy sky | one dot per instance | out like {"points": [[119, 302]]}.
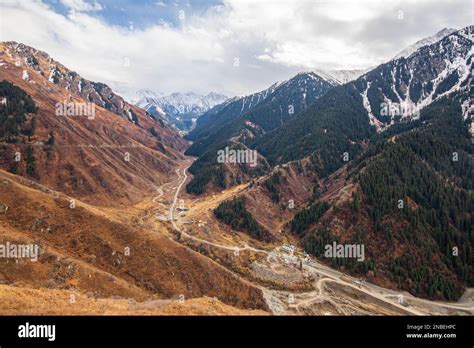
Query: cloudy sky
{"points": [[233, 47]]}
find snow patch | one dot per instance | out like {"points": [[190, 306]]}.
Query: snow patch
{"points": [[372, 119], [25, 76]]}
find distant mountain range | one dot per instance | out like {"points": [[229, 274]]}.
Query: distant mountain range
{"points": [[183, 110], [254, 115], [179, 109], [263, 119]]}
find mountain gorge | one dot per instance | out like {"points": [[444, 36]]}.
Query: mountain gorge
{"points": [[137, 206], [80, 169]]}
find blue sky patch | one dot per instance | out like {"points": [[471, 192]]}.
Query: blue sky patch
{"points": [[139, 14]]}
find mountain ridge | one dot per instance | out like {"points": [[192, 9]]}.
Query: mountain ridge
{"points": [[373, 93], [85, 156]]}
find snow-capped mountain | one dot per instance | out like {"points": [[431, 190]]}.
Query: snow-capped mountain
{"points": [[412, 83], [393, 92], [179, 109], [297, 92], [340, 77], [424, 42], [251, 116], [233, 107]]}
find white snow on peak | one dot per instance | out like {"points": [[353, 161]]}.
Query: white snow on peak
{"points": [[340, 77], [178, 103], [255, 98], [467, 32], [145, 92], [424, 42], [453, 57]]}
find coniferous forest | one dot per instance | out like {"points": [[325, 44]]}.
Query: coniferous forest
{"points": [[416, 186], [234, 214]]}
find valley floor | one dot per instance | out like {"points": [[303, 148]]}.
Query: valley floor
{"points": [[332, 292], [288, 285]]}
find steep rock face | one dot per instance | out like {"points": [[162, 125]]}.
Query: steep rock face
{"points": [[108, 157], [76, 86], [59, 75]]}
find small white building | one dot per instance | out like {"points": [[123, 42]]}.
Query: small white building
{"points": [[290, 249]]}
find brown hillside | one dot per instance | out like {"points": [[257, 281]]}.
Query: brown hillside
{"points": [[86, 252], [24, 301], [106, 160]]}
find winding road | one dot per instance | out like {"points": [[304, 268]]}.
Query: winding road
{"points": [[176, 228], [331, 275]]}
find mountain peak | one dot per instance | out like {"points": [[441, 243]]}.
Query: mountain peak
{"points": [[146, 92], [215, 95], [340, 77], [424, 42]]}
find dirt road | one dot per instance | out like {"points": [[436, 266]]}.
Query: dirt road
{"points": [[325, 273]]}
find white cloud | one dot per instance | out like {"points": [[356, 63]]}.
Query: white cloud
{"points": [[81, 5], [272, 40]]}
